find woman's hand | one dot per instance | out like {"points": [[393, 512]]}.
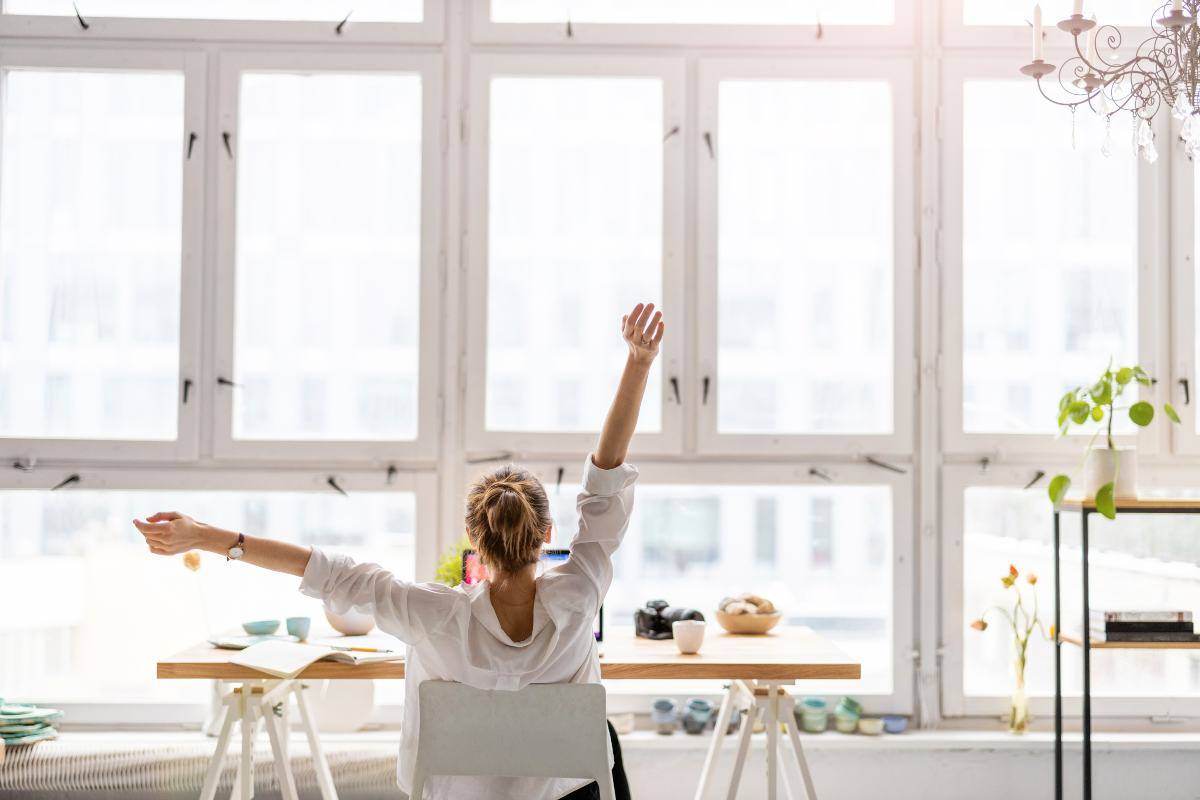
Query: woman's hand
{"points": [[643, 329], [170, 533]]}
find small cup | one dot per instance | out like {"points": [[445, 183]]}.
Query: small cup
{"points": [[663, 715], [298, 627], [689, 635]]}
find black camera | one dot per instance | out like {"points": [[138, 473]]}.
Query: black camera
{"points": [[654, 621]]}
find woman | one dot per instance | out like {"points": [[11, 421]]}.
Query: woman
{"points": [[504, 633]]}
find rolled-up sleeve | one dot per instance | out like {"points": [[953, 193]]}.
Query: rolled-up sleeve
{"points": [[408, 611], [604, 506]]}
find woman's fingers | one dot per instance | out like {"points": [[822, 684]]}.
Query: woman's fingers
{"points": [[164, 516], [158, 528], [662, 327], [650, 329]]}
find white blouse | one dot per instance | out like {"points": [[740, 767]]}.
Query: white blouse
{"points": [[454, 634]]}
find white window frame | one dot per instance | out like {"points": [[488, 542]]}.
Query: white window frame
{"points": [[897, 72], [483, 68], [901, 32], [1185, 438], [955, 480], [901, 699], [156, 712], [1151, 273], [192, 66], [424, 446], [956, 33], [32, 26]]}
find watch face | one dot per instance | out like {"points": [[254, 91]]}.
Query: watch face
{"points": [[236, 552]]}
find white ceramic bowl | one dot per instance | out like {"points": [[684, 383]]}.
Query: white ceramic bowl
{"points": [[352, 623]]}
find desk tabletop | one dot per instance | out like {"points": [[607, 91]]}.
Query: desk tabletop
{"points": [[786, 654]]}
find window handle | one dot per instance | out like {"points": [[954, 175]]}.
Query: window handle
{"points": [[875, 462], [192, 137], [670, 133], [558, 481], [1187, 391], [675, 389], [1037, 476], [333, 484], [817, 472], [187, 389], [71, 479], [712, 153], [704, 391], [225, 137], [83, 23], [229, 383], [341, 25]]}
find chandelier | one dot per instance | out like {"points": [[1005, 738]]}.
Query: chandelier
{"points": [[1163, 70]]}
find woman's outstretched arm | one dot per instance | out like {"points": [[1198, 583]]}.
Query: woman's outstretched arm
{"points": [[642, 329], [169, 533]]}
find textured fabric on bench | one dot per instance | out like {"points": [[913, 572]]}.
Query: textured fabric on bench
{"points": [[162, 765]]}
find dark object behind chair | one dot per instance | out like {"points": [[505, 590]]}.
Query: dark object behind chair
{"points": [[654, 621]]}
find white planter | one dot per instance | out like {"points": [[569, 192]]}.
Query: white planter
{"points": [[1102, 465]]}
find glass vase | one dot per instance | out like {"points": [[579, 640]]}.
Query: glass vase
{"points": [[1018, 715]]}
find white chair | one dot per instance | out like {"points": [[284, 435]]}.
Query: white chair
{"points": [[549, 730]]}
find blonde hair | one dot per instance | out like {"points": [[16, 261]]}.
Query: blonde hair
{"points": [[507, 517]]}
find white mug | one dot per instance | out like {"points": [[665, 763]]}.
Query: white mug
{"points": [[689, 635]]}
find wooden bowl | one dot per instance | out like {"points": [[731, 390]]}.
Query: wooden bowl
{"points": [[755, 624]]}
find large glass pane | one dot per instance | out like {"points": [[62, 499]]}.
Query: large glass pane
{"points": [[90, 253], [1019, 12], [312, 10], [823, 555], [328, 256], [805, 257], [697, 12], [1049, 254], [575, 239], [97, 609], [1137, 562]]}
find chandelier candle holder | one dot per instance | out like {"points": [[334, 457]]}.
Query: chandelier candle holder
{"points": [[1164, 70]]}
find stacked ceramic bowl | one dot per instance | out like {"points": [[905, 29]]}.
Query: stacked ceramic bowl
{"points": [[812, 714], [24, 725]]}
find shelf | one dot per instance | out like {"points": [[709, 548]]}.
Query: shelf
{"points": [[1078, 642], [1135, 504]]}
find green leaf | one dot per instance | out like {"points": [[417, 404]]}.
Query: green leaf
{"points": [[1102, 392], [1080, 411], [1097, 413], [1171, 413], [1141, 413], [1065, 400], [1058, 488], [1124, 375], [1105, 503]]}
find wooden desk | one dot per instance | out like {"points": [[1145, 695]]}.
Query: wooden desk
{"points": [[756, 667], [785, 654]]}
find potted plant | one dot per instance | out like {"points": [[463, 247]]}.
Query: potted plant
{"points": [[1022, 622], [449, 568], [1110, 472]]}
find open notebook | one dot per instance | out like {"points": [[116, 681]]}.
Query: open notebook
{"points": [[287, 659]]}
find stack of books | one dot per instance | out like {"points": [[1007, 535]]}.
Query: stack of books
{"points": [[1142, 626]]}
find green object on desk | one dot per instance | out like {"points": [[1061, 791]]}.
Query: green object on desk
{"points": [[14, 731], [27, 714], [30, 738]]}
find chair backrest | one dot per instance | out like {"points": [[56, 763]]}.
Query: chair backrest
{"points": [[551, 730]]}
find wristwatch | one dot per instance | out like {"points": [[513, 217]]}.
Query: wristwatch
{"points": [[237, 551]]}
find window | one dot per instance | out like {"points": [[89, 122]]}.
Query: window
{"points": [[1136, 562], [580, 227], [1108, 12], [60, 648], [708, 12], [328, 250], [318, 10], [91, 240], [695, 544], [804, 198], [1050, 288]]}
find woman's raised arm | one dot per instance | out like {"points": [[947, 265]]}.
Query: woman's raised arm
{"points": [[642, 329]]}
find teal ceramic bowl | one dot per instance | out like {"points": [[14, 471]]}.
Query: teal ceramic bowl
{"points": [[298, 627], [850, 707], [262, 627]]}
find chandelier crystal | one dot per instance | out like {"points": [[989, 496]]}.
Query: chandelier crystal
{"points": [[1164, 70]]}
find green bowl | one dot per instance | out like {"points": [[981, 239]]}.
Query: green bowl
{"points": [[262, 627]]}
